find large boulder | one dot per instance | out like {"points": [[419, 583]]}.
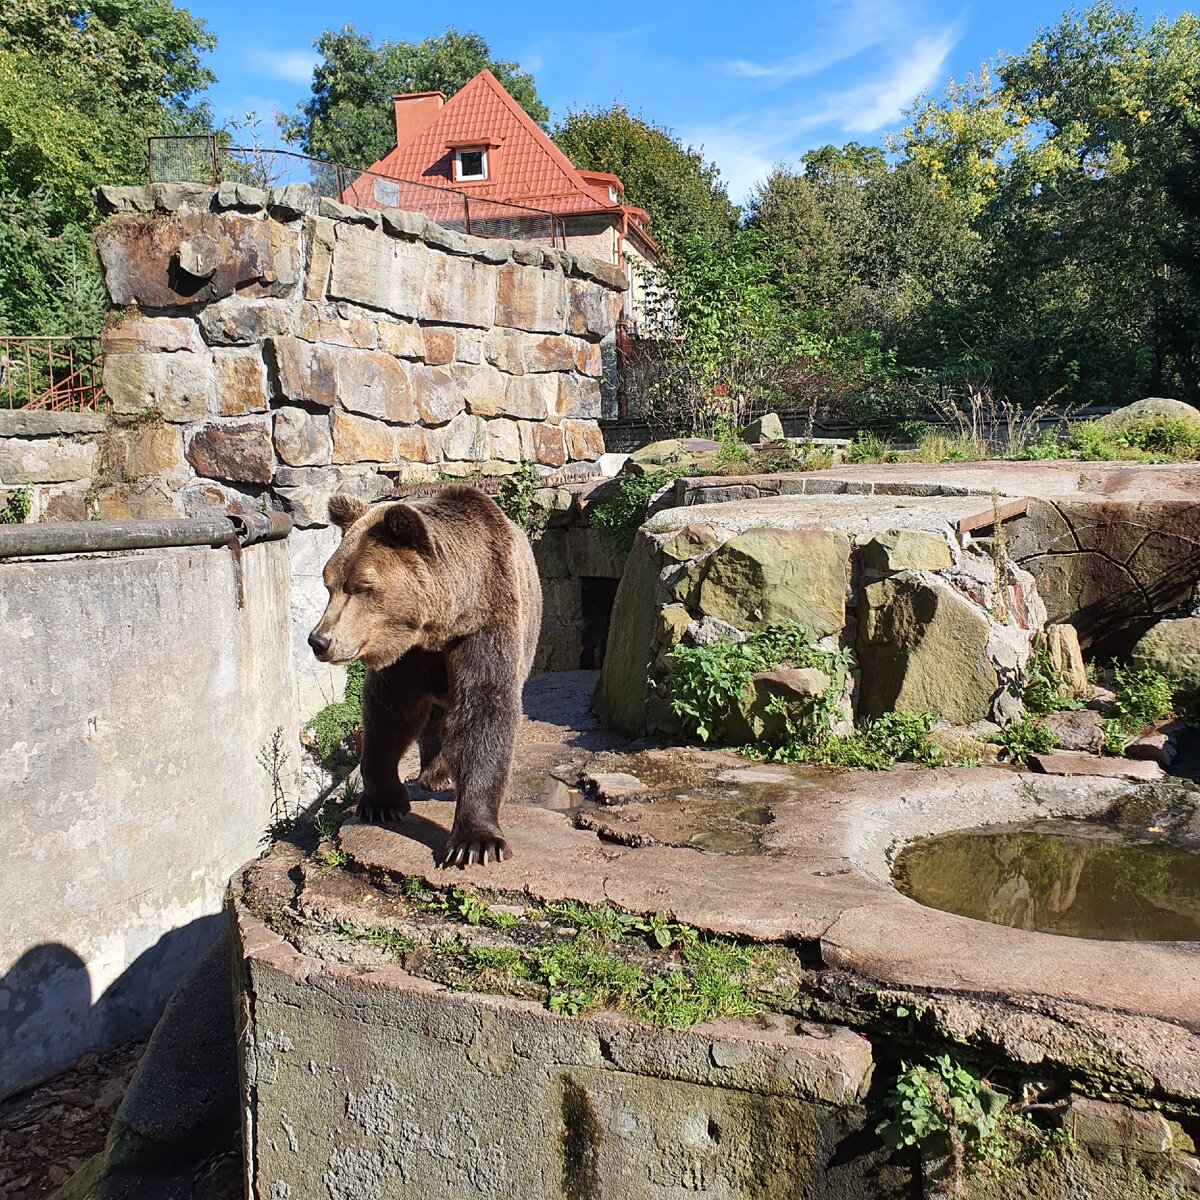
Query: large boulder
{"points": [[677, 454], [775, 576], [768, 428], [1172, 648], [1151, 407]]}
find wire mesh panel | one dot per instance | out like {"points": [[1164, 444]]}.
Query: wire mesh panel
{"points": [[182, 159], [496, 219]]}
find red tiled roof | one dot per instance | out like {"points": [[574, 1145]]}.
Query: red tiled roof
{"points": [[527, 168]]}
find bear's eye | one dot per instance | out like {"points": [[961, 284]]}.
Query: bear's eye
{"points": [[359, 589]]}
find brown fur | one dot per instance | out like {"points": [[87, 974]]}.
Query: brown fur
{"points": [[439, 598]]}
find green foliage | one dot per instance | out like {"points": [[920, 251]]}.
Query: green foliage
{"points": [[682, 192], [349, 117], [620, 514], [1045, 687], [1143, 697], [389, 942], [1022, 738], [707, 682], [877, 745], [335, 722], [518, 499], [943, 1097], [16, 507], [81, 87]]}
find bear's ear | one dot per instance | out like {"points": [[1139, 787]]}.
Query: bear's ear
{"points": [[405, 527], [345, 510]]}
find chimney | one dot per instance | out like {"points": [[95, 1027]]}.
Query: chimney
{"points": [[414, 112]]}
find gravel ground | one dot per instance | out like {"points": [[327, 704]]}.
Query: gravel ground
{"points": [[50, 1131]]}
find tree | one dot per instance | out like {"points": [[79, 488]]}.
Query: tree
{"points": [[81, 88], [349, 117], [682, 193]]}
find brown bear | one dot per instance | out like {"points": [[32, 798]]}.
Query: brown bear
{"points": [[439, 598]]}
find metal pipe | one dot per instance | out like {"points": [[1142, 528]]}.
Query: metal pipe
{"points": [[88, 537]]}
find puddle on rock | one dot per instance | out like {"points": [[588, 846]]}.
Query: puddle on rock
{"points": [[1065, 877]]}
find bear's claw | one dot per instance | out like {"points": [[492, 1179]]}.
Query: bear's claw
{"points": [[373, 810], [435, 778], [469, 850]]}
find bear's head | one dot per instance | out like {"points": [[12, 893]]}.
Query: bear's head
{"points": [[382, 599]]}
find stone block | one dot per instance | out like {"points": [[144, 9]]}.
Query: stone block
{"points": [[66, 505], [585, 441], [465, 439], [238, 322], [584, 266], [533, 397], [45, 460], [240, 382], [438, 344], [560, 600], [35, 423], [171, 197], [305, 492], [412, 443], [767, 428], [548, 444], [483, 388], [176, 386], [243, 197], [1172, 648], [578, 396], [347, 215], [376, 385], [531, 298], [899, 549], [320, 241], [235, 452], [141, 258], [401, 338], [1097, 1123], [302, 372], [1066, 659], [589, 359], [592, 554], [336, 325], [361, 439], [111, 199], [591, 311], [1081, 729], [301, 438], [129, 332], [460, 291], [379, 272], [773, 577], [551, 554], [145, 450], [504, 440], [142, 500], [290, 202], [549, 352], [435, 393], [505, 349]]}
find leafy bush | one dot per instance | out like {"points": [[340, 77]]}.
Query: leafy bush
{"points": [[332, 726], [1022, 738], [517, 498], [1143, 697], [708, 682], [878, 746], [1044, 687], [621, 513], [17, 507]]}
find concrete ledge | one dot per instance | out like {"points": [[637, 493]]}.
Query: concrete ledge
{"points": [[36, 423]]}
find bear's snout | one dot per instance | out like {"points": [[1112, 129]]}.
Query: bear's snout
{"points": [[319, 643]]}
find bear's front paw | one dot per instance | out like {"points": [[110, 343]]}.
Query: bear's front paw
{"points": [[474, 844], [383, 810]]}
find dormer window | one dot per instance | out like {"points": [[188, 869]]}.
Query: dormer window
{"points": [[471, 165], [612, 193]]}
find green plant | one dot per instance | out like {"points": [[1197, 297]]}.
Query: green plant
{"points": [[943, 1097], [878, 745], [16, 509], [389, 942], [620, 513], [1045, 686], [1022, 738], [518, 499], [1143, 696], [332, 726], [273, 759], [870, 448], [707, 682]]}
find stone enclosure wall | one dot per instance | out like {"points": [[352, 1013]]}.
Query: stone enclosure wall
{"points": [[271, 350]]}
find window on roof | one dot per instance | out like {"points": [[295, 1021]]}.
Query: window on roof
{"points": [[470, 164], [612, 193]]}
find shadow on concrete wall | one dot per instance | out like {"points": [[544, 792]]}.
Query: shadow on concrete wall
{"points": [[48, 1018]]}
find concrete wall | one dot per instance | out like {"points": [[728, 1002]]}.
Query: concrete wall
{"points": [[268, 351], [137, 700]]}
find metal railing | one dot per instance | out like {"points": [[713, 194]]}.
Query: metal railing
{"points": [[54, 374], [203, 160]]}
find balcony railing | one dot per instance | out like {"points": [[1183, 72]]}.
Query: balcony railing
{"points": [[53, 374]]}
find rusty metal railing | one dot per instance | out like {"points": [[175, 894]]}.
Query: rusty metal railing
{"points": [[54, 374]]}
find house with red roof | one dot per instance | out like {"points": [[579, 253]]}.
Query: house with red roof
{"points": [[482, 143]]}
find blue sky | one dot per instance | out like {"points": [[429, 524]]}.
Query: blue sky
{"points": [[754, 85]]}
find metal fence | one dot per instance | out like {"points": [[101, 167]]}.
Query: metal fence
{"points": [[203, 160], [53, 374]]}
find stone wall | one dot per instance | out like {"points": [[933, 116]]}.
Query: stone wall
{"points": [[136, 721], [269, 350]]}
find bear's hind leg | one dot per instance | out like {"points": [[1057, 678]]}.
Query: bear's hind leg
{"points": [[435, 774], [391, 723]]}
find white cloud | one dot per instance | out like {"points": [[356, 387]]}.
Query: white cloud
{"points": [[749, 144], [290, 66]]}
